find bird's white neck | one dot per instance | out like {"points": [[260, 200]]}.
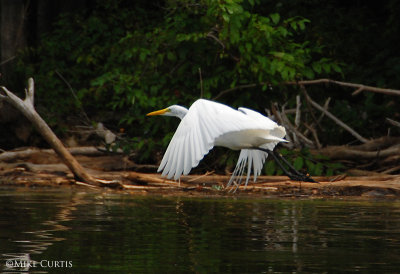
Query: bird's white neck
{"points": [[177, 111]]}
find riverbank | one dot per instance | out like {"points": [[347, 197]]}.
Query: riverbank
{"points": [[42, 168], [214, 185]]}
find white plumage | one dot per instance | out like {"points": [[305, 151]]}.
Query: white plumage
{"points": [[207, 124]]}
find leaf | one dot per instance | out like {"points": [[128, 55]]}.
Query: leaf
{"points": [[310, 166], [316, 67], [308, 73], [225, 16], [318, 169], [336, 68], [326, 67], [275, 18], [298, 163], [270, 167], [171, 56], [301, 25], [142, 56]]}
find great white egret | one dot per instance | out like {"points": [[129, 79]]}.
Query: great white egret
{"points": [[207, 124]]}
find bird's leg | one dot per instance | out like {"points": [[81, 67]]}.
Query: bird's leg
{"points": [[292, 173], [291, 168]]}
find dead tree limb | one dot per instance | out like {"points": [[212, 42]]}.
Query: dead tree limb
{"points": [[8, 156], [349, 153], [26, 106], [298, 112], [359, 87], [393, 122], [297, 135], [336, 120], [222, 93], [326, 106]]}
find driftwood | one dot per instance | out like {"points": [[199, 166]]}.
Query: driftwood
{"points": [[26, 152], [38, 173], [351, 153], [214, 185], [27, 108], [379, 155]]}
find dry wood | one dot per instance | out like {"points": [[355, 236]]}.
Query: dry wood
{"points": [[393, 122], [336, 120], [358, 87], [378, 143], [315, 135], [350, 153], [297, 135], [369, 185], [298, 112], [27, 152], [27, 108], [326, 106]]}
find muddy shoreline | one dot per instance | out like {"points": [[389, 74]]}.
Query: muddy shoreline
{"points": [[43, 169]]}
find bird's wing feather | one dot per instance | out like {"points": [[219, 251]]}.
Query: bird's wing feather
{"points": [[276, 130], [196, 134]]}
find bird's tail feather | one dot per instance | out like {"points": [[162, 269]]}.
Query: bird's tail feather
{"points": [[254, 159]]}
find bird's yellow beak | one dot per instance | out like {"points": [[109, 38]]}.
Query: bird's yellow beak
{"points": [[158, 112]]}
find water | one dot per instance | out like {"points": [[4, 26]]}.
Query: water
{"points": [[70, 231]]}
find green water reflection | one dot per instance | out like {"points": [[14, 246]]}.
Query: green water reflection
{"points": [[122, 233]]}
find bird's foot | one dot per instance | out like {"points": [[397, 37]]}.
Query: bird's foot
{"points": [[301, 177]]}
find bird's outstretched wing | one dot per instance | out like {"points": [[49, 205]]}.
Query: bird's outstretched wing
{"points": [[197, 132]]}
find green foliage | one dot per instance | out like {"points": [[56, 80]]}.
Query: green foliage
{"points": [[364, 36], [125, 59]]}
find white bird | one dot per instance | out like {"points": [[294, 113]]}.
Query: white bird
{"points": [[207, 124]]}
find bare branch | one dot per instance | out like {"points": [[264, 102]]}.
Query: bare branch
{"points": [[201, 84], [296, 133], [30, 93], [28, 110], [326, 105], [279, 119], [8, 60], [298, 112], [337, 121], [233, 89], [359, 87], [393, 122], [315, 135], [74, 94], [211, 35], [357, 91]]}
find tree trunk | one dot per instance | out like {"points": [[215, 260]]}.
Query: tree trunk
{"points": [[12, 32]]}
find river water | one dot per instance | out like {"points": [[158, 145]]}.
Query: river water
{"points": [[75, 231]]}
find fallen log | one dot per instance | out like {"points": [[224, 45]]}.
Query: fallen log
{"points": [[27, 152], [378, 143], [355, 154], [27, 108]]}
